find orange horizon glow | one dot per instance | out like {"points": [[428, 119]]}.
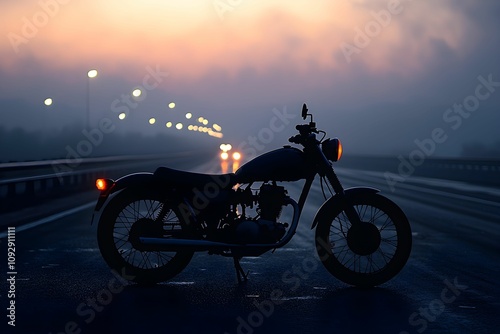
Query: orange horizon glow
{"points": [[193, 39]]}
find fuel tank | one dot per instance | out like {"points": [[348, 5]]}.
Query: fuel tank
{"points": [[284, 164]]}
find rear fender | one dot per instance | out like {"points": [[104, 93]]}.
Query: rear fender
{"points": [[131, 180], [336, 202]]}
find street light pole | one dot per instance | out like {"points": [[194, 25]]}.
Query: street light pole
{"points": [[90, 75]]}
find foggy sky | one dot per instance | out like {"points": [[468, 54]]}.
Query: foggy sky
{"points": [[235, 64]]}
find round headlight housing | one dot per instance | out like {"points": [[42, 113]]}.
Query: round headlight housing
{"points": [[332, 149]]}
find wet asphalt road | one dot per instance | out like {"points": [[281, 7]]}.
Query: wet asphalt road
{"points": [[448, 286]]}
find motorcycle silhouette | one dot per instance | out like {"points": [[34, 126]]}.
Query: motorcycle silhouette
{"points": [[149, 231]]}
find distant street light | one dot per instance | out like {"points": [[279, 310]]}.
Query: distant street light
{"points": [[90, 75], [137, 92], [171, 105], [48, 101]]}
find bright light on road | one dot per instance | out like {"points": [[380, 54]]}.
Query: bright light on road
{"points": [[152, 120], [137, 92], [48, 101], [189, 115], [171, 105], [178, 126], [168, 125], [236, 156], [122, 116]]}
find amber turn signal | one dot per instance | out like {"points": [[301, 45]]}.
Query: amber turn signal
{"points": [[102, 184]]}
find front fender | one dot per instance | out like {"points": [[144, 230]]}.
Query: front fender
{"points": [[335, 202], [136, 179]]}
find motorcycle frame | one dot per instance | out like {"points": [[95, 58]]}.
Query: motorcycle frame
{"points": [[323, 167]]}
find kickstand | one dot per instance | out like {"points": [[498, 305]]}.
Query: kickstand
{"points": [[240, 273]]}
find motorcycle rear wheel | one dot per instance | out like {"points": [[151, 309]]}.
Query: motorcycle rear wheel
{"points": [[134, 213], [371, 254]]}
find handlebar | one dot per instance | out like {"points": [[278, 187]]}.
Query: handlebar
{"points": [[305, 130], [297, 139]]}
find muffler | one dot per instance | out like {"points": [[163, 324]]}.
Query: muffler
{"points": [[163, 244], [174, 245]]}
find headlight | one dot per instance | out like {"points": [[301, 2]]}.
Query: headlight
{"points": [[236, 156], [332, 149]]}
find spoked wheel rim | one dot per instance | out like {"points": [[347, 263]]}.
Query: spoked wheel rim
{"points": [[144, 218], [141, 212], [367, 248]]}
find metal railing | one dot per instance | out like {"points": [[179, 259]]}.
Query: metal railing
{"points": [[480, 171], [23, 184]]}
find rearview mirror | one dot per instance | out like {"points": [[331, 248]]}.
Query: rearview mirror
{"points": [[304, 111]]}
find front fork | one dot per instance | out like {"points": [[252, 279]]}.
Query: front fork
{"points": [[327, 170], [349, 210]]}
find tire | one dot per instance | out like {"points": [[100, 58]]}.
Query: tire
{"points": [[363, 261], [119, 226]]}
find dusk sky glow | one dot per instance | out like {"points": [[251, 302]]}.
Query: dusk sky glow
{"points": [[378, 73]]}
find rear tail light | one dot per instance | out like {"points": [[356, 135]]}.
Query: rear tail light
{"points": [[103, 184]]}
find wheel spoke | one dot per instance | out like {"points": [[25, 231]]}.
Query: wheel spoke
{"points": [[124, 242], [131, 214], [364, 264]]}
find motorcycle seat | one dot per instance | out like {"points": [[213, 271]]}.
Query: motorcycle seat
{"points": [[183, 178]]}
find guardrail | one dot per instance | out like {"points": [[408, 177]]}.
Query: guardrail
{"points": [[480, 171], [23, 184], [21, 190]]}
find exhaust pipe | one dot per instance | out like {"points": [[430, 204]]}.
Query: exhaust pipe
{"points": [[187, 244], [173, 245]]}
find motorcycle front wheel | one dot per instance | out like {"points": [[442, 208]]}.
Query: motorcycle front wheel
{"points": [[369, 253], [135, 213]]}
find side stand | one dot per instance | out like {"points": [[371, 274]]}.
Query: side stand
{"points": [[240, 273]]}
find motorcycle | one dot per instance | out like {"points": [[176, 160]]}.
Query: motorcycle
{"points": [[149, 231]]}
